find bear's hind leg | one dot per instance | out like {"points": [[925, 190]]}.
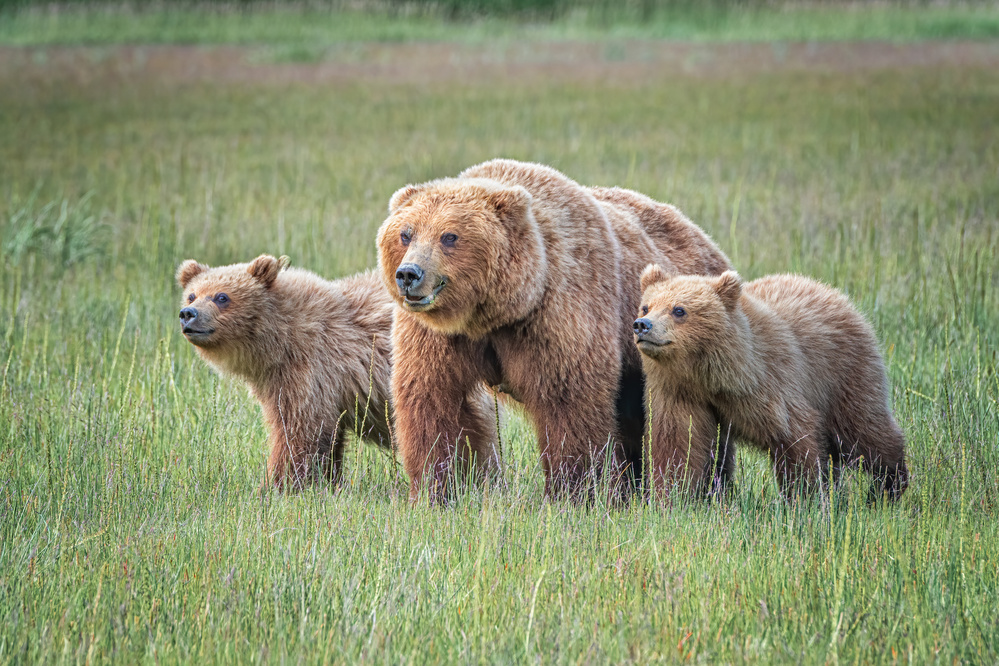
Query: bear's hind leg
{"points": [[872, 437], [883, 450]]}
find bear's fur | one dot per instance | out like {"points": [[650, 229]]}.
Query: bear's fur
{"points": [[783, 362], [314, 353], [514, 275]]}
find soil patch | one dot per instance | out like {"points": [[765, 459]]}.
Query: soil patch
{"points": [[426, 63]]}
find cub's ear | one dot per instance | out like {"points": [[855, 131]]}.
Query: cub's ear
{"points": [[285, 261], [265, 268], [402, 196], [187, 271], [510, 201], [654, 273], [729, 286]]}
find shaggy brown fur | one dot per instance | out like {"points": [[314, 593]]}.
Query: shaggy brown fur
{"points": [[314, 353], [514, 275], [784, 363]]}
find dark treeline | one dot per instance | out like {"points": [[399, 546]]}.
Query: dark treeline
{"points": [[533, 9]]}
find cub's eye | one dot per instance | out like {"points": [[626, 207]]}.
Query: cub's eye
{"points": [[645, 309], [405, 236], [221, 299], [679, 312], [191, 297], [448, 240]]}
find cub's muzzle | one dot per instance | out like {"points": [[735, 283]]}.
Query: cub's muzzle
{"points": [[642, 326], [187, 315]]}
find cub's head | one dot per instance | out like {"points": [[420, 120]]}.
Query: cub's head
{"points": [[683, 315], [462, 253], [222, 307]]}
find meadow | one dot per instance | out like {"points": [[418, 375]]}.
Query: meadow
{"points": [[131, 529]]}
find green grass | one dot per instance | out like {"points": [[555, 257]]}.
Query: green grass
{"points": [[130, 527], [320, 25]]}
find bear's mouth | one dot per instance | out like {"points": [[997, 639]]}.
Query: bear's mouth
{"points": [[196, 335], [425, 303], [646, 345]]}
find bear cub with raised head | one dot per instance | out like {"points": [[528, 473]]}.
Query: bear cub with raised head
{"points": [[314, 353], [783, 362]]}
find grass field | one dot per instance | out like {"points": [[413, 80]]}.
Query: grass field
{"points": [[130, 526]]}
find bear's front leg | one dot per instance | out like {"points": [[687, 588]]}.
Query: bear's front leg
{"points": [[576, 431], [799, 461], [301, 452], [686, 449], [435, 422]]}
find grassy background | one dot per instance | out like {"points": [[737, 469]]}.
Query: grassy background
{"points": [[317, 25], [130, 529]]}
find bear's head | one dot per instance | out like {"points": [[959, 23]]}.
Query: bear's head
{"points": [[223, 307], [682, 316], [464, 254]]}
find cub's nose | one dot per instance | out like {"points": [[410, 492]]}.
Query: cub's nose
{"points": [[642, 326], [408, 276], [187, 315]]}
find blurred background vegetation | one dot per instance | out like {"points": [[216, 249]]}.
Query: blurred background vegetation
{"points": [[319, 23]]}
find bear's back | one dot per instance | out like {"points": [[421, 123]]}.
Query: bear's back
{"points": [[807, 306], [578, 238], [352, 307], [562, 207], [687, 246], [837, 345]]}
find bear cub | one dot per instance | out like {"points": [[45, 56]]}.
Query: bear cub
{"points": [[314, 353], [783, 362]]}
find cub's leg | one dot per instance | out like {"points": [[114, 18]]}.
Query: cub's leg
{"points": [[877, 441], [685, 449], [798, 457]]}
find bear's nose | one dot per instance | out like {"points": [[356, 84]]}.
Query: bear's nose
{"points": [[187, 315], [642, 326], [408, 276]]}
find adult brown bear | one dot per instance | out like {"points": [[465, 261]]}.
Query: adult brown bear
{"points": [[514, 275]]}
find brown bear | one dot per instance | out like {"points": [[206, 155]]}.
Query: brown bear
{"points": [[315, 354], [783, 362], [514, 275]]}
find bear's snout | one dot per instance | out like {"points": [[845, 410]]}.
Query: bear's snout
{"points": [[642, 326], [187, 315], [408, 276]]}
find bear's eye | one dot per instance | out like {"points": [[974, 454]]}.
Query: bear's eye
{"points": [[448, 240], [405, 236], [645, 309], [221, 300], [191, 297], [679, 312]]}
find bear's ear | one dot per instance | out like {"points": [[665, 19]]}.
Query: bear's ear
{"points": [[285, 261], [402, 197], [654, 273], [189, 270], [265, 268], [729, 286], [510, 201]]}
